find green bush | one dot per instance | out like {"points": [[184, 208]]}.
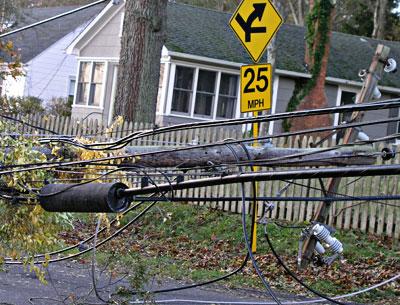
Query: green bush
{"points": [[59, 106], [21, 105]]}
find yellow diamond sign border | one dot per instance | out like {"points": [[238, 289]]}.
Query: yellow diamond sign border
{"points": [[235, 26]]}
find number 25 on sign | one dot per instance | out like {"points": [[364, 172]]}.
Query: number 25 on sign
{"points": [[255, 87]]}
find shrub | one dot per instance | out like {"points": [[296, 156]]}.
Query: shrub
{"points": [[21, 105], [59, 106]]}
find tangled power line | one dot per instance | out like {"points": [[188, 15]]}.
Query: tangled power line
{"points": [[156, 180], [151, 189]]}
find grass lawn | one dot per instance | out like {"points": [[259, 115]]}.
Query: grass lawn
{"points": [[194, 243]]}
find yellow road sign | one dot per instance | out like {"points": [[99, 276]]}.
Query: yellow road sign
{"points": [[255, 23], [255, 87]]}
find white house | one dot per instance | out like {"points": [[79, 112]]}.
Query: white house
{"points": [[49, 72]]}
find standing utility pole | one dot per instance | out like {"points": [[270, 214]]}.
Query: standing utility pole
{"points": [[373, 75]]}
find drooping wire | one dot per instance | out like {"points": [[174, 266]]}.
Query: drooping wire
{"points": [[249, 243], [52, 18], [292, 275], [388, 104]]}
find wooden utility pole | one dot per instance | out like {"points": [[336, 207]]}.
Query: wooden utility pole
{"points": [[374, 74]]}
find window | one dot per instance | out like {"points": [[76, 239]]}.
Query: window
{"points": [[90, 83], [227, 96], [204, 93], [71, 89], [183, 90]]}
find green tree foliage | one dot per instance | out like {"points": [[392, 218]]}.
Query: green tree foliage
{"points": [[357, 17], [25, 229]]}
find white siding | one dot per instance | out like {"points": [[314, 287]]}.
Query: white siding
{"points": [[49, 73], [13, 87]]}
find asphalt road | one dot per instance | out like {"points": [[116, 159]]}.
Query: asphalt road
{"points": [[71, 283]]}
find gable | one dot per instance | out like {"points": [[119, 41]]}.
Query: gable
{"points": [[106, 41], [34, 41]]}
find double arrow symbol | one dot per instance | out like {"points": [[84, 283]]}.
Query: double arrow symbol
{"points": [[258, 12]]}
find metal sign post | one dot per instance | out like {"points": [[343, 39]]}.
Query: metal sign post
{"points": [[255, 23]]}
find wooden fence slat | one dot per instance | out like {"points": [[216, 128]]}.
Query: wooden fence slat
{"points": [[365, 207]]}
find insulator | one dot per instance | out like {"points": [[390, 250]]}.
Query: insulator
{"points": [[84, 198], [324, 236], [319, 248]]}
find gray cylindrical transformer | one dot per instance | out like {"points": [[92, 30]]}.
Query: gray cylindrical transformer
{"points": [[85, 198]]}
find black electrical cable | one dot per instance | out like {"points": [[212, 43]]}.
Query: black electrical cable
{"points": [[112, 145], [203, 283], [115, 234], [199, 284], [366, 199], [388, 104], [50, 165], [102, 229], [344, 197], [83, 241], [27, 124], [245, 234], [209, 282], [276, 175], [94, 284], [52, 18], [205, 146], [280, 225]]}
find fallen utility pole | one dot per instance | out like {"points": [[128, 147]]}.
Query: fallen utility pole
{"points": [[216, 154], [372, 76], [262, 156]]}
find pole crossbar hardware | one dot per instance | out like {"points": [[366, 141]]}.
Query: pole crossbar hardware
{"points": [[370, 86]]}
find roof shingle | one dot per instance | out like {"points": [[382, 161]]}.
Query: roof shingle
{"points": [[33, 41]]}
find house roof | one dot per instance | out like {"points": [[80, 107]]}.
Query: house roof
{"points": [[203, 32], [33, 41]]}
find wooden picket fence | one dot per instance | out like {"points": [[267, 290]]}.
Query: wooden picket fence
{"points": [[369, 217]]}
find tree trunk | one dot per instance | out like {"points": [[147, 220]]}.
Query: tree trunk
{"points": [[380, 19], [144, 33], [297, 12], [300, 9], [316, 97]]}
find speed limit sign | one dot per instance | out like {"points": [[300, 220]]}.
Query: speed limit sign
{"points": [[255, 87]]}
